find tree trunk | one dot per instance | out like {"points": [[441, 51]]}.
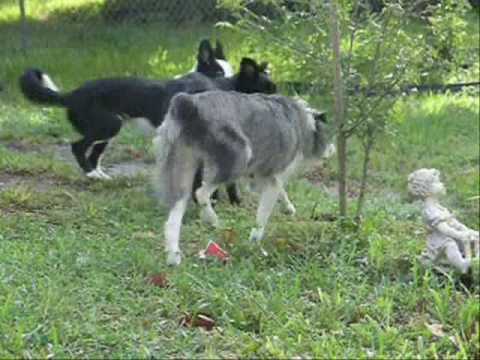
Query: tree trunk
{"points": [[339, 111], [24, 31], [366, 163]]}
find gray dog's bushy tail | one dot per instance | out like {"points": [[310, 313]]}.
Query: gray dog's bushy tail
{"points": [[176, 162]]}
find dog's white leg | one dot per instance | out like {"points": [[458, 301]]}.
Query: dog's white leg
{"points": [[282, 179], [95, 155], [265, 207], [94, 174], [100, 170], [103, 174], [289, 207], [172, 231], [203, 195]]}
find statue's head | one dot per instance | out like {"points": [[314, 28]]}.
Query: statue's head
{"points": [[423, 183]]}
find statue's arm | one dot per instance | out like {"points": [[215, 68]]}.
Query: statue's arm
{"points": [[445, 228], [472, 234], [458, 225], [468, 237]]}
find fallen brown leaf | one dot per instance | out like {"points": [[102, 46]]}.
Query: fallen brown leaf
{"points": [[229, 237], [199, 320], [159, 280], [436, 329]]}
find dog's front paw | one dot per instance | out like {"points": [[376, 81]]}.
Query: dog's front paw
{"points": [[94, 174], [209, 217], [98, 174], [174, 258], [104, 175], [256, 234]]}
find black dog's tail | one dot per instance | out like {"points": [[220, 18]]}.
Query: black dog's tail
{"points": [[39, 88]]}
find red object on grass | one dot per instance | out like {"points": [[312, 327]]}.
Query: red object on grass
{"points": [[214, 250]]}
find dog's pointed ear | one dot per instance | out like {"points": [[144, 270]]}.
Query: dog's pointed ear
{"points": [[249, 68], [205, 51], [320, 117], [219, 54], [263, 67]]}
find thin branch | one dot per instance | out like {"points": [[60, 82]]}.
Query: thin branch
{"points": [[367, 147], [353, 33], [352, 38], [350, 131], [256, 22], [372, 73]]}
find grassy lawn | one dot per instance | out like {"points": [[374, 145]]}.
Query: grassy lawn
{"points": [[77, 256]]}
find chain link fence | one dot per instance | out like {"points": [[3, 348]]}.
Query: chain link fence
{"points": [[126, 28], [175, 12], [81, 39], [83, 15]]}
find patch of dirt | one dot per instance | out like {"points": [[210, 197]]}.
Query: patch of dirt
{"points": [[7, 181], [40, 184], [22, 147], [59, 150], [128, 169], [332, 189], [319, 176], [62, 152]]}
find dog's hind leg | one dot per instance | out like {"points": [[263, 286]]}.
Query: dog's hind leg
{"points": [[96, 157], [289, 207], [104, 126], [282, 179], [197, 183], [172, 231], [79, 150], [203, 195], [233, 196], [268, 197]]}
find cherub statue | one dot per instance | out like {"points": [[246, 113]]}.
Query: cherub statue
{"points": [[449, 242]]}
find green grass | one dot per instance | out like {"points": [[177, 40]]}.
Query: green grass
{"points": [[40, 10], [439, 131], [75, 255], [74, 265]]}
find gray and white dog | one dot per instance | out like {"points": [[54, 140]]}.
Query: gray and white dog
{"points": [[231, 135]]}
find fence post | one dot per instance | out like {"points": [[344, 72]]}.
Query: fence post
{"points": [[24, 27]]}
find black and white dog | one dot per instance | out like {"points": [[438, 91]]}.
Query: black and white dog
{"points": [[231, 135], [212, 62], [98, 108]]}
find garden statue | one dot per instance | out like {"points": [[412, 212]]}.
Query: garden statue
{"points": [[449, 242]]}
